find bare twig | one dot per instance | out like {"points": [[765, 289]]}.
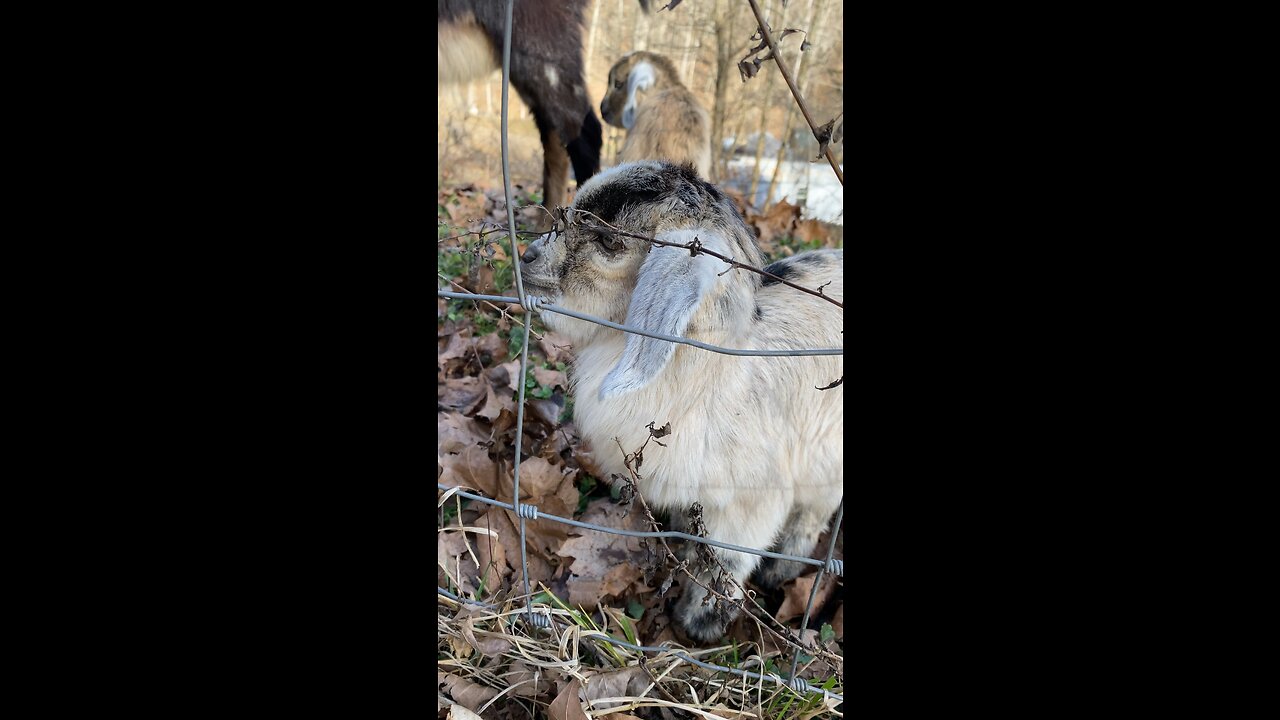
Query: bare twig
{"points": [[482, 233], [505, 314], [695, 247], [791, 83]]}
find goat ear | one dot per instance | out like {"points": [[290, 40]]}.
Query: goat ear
{"points": [[670, 288], [642, 77]]}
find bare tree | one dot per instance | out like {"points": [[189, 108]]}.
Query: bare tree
{"points": [[727, 47], [591, 35], [800, 65], [764, 116]]}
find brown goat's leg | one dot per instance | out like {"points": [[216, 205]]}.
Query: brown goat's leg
{"points": [[555, 176]]}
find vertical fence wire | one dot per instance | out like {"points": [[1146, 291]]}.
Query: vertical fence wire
{"points": [[808, 608], [528, 316]]}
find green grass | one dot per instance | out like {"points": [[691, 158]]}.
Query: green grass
{"points": [[582, 619]]}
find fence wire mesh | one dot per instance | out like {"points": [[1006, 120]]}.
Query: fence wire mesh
{"points": [[529, 512]]}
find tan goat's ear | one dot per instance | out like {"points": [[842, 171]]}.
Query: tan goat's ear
{"points": [[669, 289], [642, 77]]}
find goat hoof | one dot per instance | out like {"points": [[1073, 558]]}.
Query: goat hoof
{"points": [[773, 573], [704, 624], [704, 627]]}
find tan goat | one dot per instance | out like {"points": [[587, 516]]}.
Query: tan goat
{"points": [[662, 118]]}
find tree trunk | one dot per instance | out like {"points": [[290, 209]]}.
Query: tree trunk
{"points": [[767, 77], [798, 67], [637, 32], [725, 45], [688, 51], [591, 41]]}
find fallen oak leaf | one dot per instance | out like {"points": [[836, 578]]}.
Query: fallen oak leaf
{"points": [[455, 564], [523, 678], [627, 682], [550, 378], [473, 468], [604, 566], [458, 432], [489, 645], [796, 596], [567, 706], [464, 692], [463, 394]]}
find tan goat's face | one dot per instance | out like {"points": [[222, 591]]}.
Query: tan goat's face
{"points": [[584, 266], [629, 79], [587, 265]]}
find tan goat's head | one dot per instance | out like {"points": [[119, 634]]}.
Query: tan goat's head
{"points": [[587, 266], [629, 79]]}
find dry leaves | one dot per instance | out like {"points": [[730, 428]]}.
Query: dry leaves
{"points": [[782, 220], [626, 682], [775, 221], [487, 643], [567, 706], [471, 467], [458, 712], [456, 564], [602, 573], [463, 691], [604, 566], [464, 205], [796, 596]]}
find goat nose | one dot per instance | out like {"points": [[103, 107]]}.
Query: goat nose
{"points": [[531, 253]]}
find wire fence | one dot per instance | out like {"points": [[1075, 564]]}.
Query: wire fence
{"points": [[528, 512]]}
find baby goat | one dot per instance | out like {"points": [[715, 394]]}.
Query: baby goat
{"points": [[546, 70], [752, 438], [662, 118]]}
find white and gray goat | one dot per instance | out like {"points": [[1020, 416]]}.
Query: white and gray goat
{"points": [[752, 438]]}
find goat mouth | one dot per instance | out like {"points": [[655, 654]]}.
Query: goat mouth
{"points": [[533, 287]]}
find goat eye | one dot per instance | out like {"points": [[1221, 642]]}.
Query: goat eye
{"points": [[618, 84], [609, 241]]}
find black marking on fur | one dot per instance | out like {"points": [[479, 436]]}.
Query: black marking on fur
{"points": [[759, 313], [811, 259], [785, 269], [635, 188], [584, 151]]}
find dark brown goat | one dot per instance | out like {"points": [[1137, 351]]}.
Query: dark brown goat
{"points": [[546, 70]]}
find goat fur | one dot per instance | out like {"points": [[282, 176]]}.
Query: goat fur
{"points": [[663, 119], [752, 438], [547, 70]]}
